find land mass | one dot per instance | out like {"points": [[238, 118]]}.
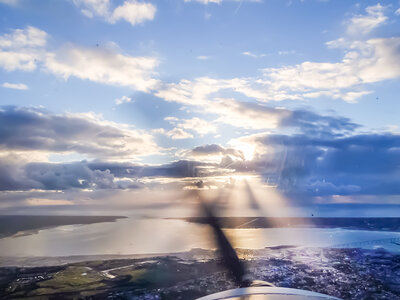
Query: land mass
{"points": [[20, 225], [344, 273], [381, 224]]}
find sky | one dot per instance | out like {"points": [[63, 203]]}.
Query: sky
{"points": [[112, 105]]}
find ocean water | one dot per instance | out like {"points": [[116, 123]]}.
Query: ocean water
{"points": [[146, 236]]}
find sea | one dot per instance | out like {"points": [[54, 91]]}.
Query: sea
{"points": [[135, 235]]}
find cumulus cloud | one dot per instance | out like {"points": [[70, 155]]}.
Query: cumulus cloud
{"points": [[327, 157], [30, 37], [200, 90], [256, 116], [195, 124], [360, 164], [177, 169], [92, 8], [188, 92], [364, 24], [365, 61], [12, 175], [58, 177], [213, 153], [134, 12], [30, 129], [22, 49], [131, 11], [246, 114], [220, 1], [17, 175], [103, 66], [15, 86], [298, 82], [178, 134], [315, 124], [123, 99], [250, 115]]}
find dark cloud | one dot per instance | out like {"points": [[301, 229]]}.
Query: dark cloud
{"points": [[259, 116], [360, 164], [91, 175], [315, 124], [12, 176], [213, 149], [65, 176], [37, 129], [61, 176], [177, 169], [326, 158]]}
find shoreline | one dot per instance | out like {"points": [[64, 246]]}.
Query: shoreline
{"points": [[22, 225], [353, 223]]}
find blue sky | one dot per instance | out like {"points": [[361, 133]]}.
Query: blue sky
{"points": [[303, 94]]}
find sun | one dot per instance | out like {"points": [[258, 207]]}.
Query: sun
{"points": [[247, 149]]}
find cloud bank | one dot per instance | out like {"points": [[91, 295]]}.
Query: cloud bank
{"points": [[34, 129]]}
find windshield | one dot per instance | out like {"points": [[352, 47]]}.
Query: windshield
{"points": [[174, 149]]}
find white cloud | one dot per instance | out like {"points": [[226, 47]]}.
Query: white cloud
{"points": [[9, 2], [22, 49], [158, 131], [16, 86], [171, 119], [364, 24], [220, 1], [255, 116], [246, 115], [11, 60], [197, 92], [337, 94], [397, 12], [198, 125], [93, 8], [103, 66], [251, 54], [123, 99], [188, 92], [248, 53], [287, 52], [195, 124], [131, 11], [134, 12], [23, 38], [179, 134], [365, 61], [202, 57], [205, 1]]}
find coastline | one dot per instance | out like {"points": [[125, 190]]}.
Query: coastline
{"points": [[22, 225]]}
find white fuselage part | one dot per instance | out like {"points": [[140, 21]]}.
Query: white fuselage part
{"points": [[268, 293]]}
